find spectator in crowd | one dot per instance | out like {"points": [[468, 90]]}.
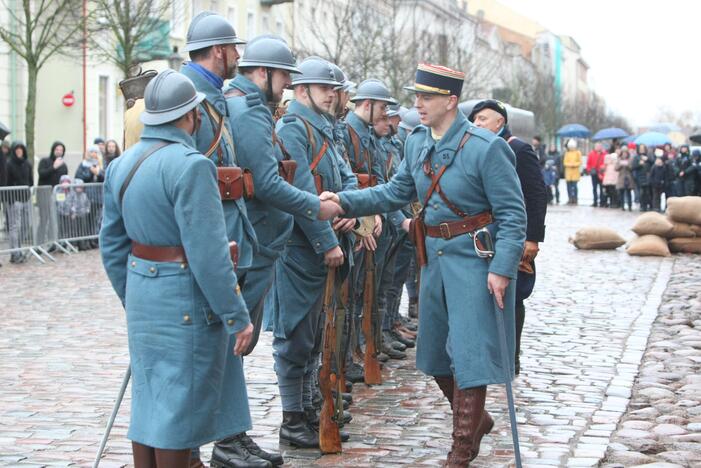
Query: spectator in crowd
{"points": [[688, 172], [5, 155], [61, 195], [641, 165], [100, 143], [673, 182], [667, 151], [112, 152], [657, 179], [573, 163], [51, 169], [609, 180], [90, 171], [624, 182], [556, 157], [595, 166], [18, 202], [550, 179], [539, 148], [632, 152]]}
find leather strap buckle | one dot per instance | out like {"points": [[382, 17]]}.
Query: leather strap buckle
{"points": [[445, 231]]}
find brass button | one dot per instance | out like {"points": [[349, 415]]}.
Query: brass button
{"points": [[133, 264], [230, 322], [318, 244], [238, 290], [440, 252], [436, 166], [183, 266], [435, 206], [152, 269], [186, 318], [309, 212]]}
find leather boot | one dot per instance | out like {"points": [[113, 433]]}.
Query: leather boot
{"points": [[414, 307], [355, 373], [231, 453], [243, 440], [407, 342], [312, 418], [486, 426], [520, 315], [447, 385], [468, 409], [173, 458], [296, 432], [144, 456]]}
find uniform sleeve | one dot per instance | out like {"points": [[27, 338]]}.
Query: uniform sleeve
{"points": [[391, 196], [503, 191], [200, 218], [320, 234], [256, 153], [534, 194], [115, 245]]}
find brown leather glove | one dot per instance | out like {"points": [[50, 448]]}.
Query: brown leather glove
{"points": [[530, 252]]}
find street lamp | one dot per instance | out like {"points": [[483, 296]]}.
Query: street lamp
{"points": [[175, 61]]}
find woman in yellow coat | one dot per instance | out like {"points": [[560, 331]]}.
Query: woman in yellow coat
{"points": [[573, 163]]}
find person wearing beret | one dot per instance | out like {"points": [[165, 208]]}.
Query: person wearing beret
{"points": [[466, 179], [492, 115]]}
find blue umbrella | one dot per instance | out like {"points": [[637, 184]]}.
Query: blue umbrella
{"points": [[574, 131], [653, 139], [629, 139], [664, 127], [610, 133]]}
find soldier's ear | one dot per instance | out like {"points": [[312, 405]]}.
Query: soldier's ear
{"points": [[452, 102]]}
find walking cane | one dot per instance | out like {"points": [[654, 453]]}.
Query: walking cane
{"points": [[110, 423], [484, 247]]}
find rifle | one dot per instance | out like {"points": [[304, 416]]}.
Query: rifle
{"points": [[329, 433], [373, 375]]}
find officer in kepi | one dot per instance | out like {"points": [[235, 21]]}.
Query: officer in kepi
{"points": [[165, 249], [466, 179], [493, 115]]}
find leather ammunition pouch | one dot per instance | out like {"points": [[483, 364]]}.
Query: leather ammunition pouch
{"points": [[287, 169], [235, 183], [366, 180]]}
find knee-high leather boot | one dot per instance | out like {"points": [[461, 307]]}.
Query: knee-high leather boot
{"points": [[172, 458], [470, 423], [144, 456], [446, 384]]}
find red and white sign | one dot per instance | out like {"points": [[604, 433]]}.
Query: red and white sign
{"points": [[68, 99]]}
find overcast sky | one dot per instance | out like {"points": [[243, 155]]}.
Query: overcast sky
{"points": [[642, 54]]}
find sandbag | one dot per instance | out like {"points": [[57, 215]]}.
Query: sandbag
{"points": [[648, 245], [685, 209], [685, 245], [696, 228], [596, 238], [682, 230], [652, 223]]}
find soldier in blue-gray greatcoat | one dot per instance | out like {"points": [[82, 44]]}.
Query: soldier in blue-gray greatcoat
{"points": [[264, 72], [466, 179], [300, 272], [165, 249], [212, 47]]}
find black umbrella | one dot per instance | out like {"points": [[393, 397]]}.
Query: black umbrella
{"points": [[696, 138], [4, 131]]}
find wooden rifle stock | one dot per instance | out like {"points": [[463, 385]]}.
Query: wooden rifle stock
{"points": [[373, 375], [329, 433]]}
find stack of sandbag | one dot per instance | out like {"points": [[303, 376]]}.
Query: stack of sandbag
{"points": [[685, 215], [652, 229], [597, 238]]}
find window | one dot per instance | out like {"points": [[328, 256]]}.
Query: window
{"points": [[214, 6], [251, 24], [265, 24], [280, 28], [102, 96], [231, 16]]}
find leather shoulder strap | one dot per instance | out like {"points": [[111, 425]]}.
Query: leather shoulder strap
{"points": [[435, 179], [138, 163], [213, 114]]}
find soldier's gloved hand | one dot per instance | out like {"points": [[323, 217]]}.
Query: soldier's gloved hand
{"points": [[333, 257], [243, 339], [330, 196], [343, 224], [530, 251], [377, 230], [328, 209], [497, 286]]}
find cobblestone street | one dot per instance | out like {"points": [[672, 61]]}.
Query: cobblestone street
{"points": [[63, 355]]}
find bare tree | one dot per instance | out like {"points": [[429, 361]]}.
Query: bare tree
{"points": [[37, 31], [124, 29]]}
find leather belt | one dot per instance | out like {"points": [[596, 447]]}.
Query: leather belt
{"points": [[157, 253], [452, 229]]}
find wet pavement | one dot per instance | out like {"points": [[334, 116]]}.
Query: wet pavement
{"points": [[63, 354]]}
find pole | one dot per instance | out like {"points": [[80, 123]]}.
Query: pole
{"points": [[506, 365], [110, 423]]}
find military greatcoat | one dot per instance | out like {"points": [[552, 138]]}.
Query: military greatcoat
{"points": [[458, 329], [187, 387]]}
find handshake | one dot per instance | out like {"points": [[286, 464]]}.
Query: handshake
{"points": [[329, 206]]}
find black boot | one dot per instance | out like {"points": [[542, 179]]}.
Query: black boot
{"points": [[347, 397], [232, 453], [405, 341], [414, 308], [391, 352], [393, 342], [296, 432], [274, 458], [355, 373], [520, 312]]}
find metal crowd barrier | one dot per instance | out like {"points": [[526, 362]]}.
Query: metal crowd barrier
{"points": [[38, 220]]}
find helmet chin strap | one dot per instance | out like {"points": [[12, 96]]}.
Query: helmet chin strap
{"points": [[269, 88], [315, 108], [372, 118]]}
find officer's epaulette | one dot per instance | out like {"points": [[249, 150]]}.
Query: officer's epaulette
{"points": [[189, 151], [253, 99], [289, 118], [418, 128], [482, 133]]}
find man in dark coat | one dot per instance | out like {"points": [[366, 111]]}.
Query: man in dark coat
{"points": [[492, 115], [17, 203], [52, 167]]}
